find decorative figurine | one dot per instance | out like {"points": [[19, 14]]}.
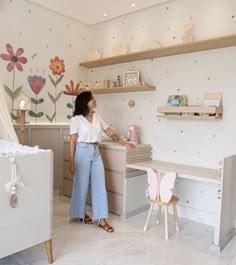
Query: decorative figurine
{"points": [[95, 55], [112, 84], [98, 84], [118, 81], [131, 103], [150, 45], [188, 34], [87, 85], [119, 49]]}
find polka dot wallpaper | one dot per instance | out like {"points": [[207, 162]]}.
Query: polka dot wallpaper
{"points": [[45, 35], [188, 141], [194, 142]]}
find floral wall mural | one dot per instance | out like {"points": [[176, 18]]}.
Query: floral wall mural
{"points": [[35, 64], [15, 62], [57, 67], [73, 91], [36, 84]]}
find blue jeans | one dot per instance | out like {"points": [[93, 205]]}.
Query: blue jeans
{"points": [[88, 168]]}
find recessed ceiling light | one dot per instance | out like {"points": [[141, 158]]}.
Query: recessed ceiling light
{"points": [[105, 14], [132, 5]]}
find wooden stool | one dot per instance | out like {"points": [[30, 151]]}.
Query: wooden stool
{"points": [[160, 193]]}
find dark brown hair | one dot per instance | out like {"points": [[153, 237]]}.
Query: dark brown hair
{"points": [[81, 103]]}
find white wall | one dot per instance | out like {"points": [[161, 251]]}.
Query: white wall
{"points": [[194, 142]]}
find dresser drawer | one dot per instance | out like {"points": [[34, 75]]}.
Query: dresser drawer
{"points": [[113, 159], [115, 203], [114, 181], [66, 151], [67, 187], [135, 197], [66, 172]]}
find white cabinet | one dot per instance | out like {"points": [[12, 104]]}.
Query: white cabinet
{"points": [[30, 223], [48, 136], [126, 189]]}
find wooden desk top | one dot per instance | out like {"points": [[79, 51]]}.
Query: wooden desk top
{"points": [[183, 171]]}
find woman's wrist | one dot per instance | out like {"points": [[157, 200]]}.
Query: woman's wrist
{"points": [[120, 141], [115, 137]]}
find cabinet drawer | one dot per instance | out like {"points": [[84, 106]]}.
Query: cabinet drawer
{"points": [[113, 159], [66, 172], [115, 203], [114, 181], [66, 151], [67, 187], [135, 197]]}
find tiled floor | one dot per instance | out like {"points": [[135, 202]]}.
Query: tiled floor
{"points": [[81, 244]]}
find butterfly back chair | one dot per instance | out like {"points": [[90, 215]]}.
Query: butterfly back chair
{"points": [[159, 190]]}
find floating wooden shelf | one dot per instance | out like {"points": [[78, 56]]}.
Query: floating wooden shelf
{"points": [[123, 89], [190, 109], [189, 117], [187, 112], [196, 46]]}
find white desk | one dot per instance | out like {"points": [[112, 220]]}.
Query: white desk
{"points": [[225, 217], [183, 171]]}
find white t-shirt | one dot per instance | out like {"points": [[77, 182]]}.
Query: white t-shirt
{"points": [[88, 132]]}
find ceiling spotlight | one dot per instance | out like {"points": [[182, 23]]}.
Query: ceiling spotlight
{"points": [[105, 15], [132, 5]]}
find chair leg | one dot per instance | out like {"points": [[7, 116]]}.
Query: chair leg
{"points": [[176, 217], [166, 222], [158, 214], [148, 217]]}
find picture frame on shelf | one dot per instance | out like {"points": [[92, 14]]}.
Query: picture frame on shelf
{"points": [[131, 78]]}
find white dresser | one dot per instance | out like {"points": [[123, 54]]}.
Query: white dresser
{"points": [[126, 188]]}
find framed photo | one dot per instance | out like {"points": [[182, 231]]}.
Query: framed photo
{"points": [[130, 78]]}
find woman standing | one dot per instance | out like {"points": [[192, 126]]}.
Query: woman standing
{"points": [[86, 163]]}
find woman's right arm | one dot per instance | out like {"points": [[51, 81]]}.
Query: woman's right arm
{"points": [[73, 141]]}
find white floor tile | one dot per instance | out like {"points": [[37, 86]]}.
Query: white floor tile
{"points": [[81, 244]]}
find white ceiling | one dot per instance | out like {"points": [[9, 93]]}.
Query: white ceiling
{"points": [[92, 12]]}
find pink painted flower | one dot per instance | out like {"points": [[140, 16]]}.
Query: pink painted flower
{"points": [[15, 58], [36, 83], [72, 90]]}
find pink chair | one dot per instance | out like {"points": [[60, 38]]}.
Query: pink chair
{"points": [[160, 193]]}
